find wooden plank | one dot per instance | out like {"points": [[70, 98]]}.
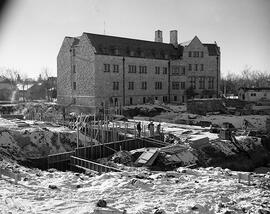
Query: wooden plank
{"points": [[148, 157]]}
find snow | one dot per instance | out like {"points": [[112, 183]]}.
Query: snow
{"points": [[209, 190]]}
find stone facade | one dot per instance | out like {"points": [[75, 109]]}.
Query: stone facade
{"points": [[96, 69], [202, 69]]}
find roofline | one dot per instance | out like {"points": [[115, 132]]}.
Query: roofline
{"points": [[140, 40]]}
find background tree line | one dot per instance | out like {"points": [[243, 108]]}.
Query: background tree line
{"points": [[231, 83], [14, 81]]}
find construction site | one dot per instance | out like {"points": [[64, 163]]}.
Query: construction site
{"points": [[170, 141]]}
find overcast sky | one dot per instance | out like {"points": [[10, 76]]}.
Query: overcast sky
{"points": [[31, 31]]}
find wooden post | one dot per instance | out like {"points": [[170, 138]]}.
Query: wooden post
{"points": [[113, 139], [107, 127], [135, 133], [125, 130], [77, 135]]}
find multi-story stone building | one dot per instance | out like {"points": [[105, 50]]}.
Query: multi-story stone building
{"points": [[98, 69]]}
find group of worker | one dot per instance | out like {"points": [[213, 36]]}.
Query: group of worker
{"points": [[151, 128]]}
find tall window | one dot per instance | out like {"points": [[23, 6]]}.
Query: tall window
{"points": [[116, 68], [74, 69], [175, 85], [106, 67], [142, 69], [210, 82], [130, 101], [202, 67], [144, 85], [157, 70], [165, 70], [201, 82], [183, 70], [196, 67], [73, 52], [144, 100], [74, 86], [202, 54], [183, 85], [132, 69], [165, 99], [158, 85], [130, 85], [189, 67], [189, 54], [174, 98], [193, 82], [115, 86]]}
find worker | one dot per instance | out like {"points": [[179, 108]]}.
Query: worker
{"points": [[158, 129], [139, 129], [151, 128]]}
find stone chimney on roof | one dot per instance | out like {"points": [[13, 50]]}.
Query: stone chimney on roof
{"points": [[173, 38], [158, 36]]}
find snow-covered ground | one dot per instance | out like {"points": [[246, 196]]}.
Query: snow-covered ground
{"points": [[210, 190]]}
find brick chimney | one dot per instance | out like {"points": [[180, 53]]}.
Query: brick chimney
{"points": [[173, 38], [158, 36]]}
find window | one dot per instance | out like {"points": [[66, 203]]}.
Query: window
{"points": [[211, 83], [202, 54], [130, 85], [74, 86], [74, 69], [157, 70], [74, 100], [202, 68], [130, 101], [115, 101], [144, 85], [144, 100], [156, 98], [116, 68], [132, 69], [165, 70], [201, 82], [165, 99], [106, 67], [158, 85], [174, 98], [176, 70], [183, 85], [189, 54], [189, 67], [183, 70], [196, 67], [142, 69], [194, 53], [175, 85], [193, 82], [73, 52], [115, 86], [253, 94]]}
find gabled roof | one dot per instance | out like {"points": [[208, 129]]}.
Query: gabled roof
{"points": [[113, 45]]}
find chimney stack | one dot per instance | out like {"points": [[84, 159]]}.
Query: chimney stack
{"points": [[158, 36], [173, 38]]}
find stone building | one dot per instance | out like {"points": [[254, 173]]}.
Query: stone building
{"points": [[94, 70]]}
